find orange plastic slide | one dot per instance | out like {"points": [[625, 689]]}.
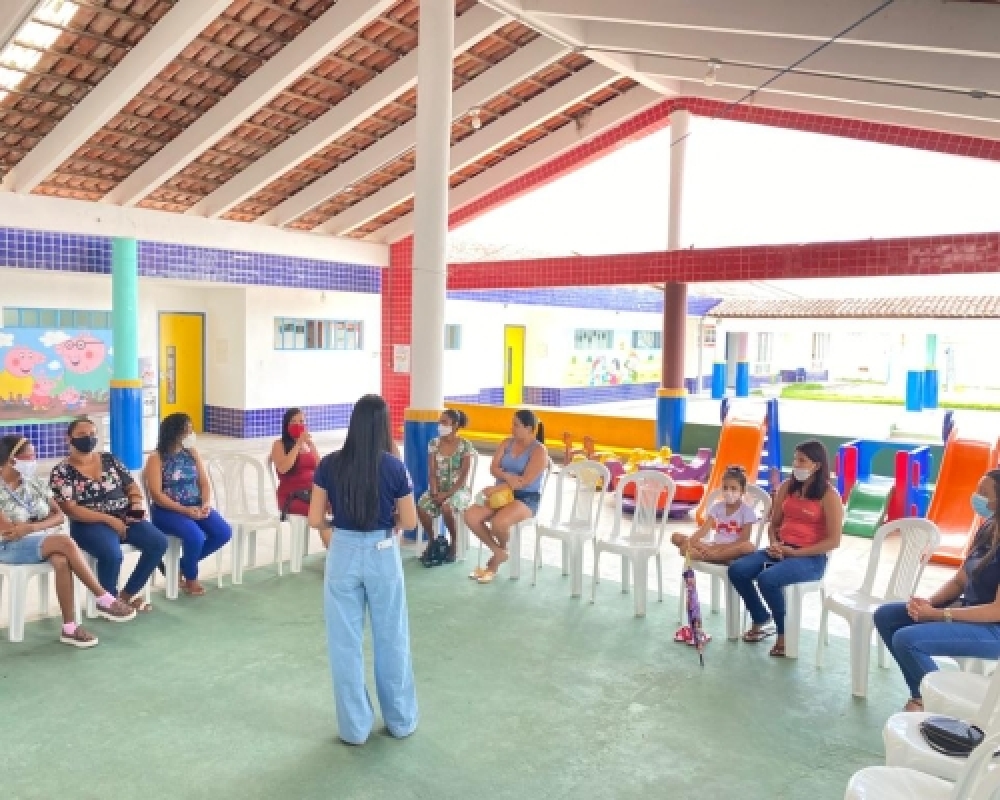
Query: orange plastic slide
{"points": [[964, 463], [740, 443]]}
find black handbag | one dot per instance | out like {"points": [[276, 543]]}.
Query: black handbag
{"points": [[950, 736]]}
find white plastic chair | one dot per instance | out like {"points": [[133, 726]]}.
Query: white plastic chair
{"points": [[18, 576], [954, 694], [905, 746], [640, 540], [760, 501], [976, 781], [247, 516], [919, 538], [298, 527], [574, 523]]}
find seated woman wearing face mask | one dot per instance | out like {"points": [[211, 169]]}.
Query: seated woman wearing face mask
{"points": [[104, 506], [31, 532], [182, 498], [962, 618]]}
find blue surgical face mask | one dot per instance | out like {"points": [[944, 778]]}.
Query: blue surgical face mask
{"points": [[981, 506]]}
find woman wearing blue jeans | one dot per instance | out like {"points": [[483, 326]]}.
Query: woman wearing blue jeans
{"points": [[181, 495], [105, 509], [370, 494], [962, 618]]}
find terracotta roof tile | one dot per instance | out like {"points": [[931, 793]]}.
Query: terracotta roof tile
{"points": [[929, 307]]}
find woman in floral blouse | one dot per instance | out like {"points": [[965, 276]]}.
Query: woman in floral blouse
{"points": [[449, 461], [104, 506], [181, 495], [30, 533]]}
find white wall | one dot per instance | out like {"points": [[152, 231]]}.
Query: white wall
{"points": [[276, 378]]}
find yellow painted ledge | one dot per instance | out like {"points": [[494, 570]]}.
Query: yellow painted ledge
{"points": [[419, 415], [126, 384], [671, 392]]}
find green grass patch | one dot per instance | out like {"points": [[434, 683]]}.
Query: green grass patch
{"points": [[813, 391]]}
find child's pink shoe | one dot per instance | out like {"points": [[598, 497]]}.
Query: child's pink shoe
{"points": [[684, 635]]}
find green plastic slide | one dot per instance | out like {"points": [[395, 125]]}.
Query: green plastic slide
{"points": [[866, 508]]}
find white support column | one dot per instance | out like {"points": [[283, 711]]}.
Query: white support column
{"points": [[679, 130], [434, 77]]}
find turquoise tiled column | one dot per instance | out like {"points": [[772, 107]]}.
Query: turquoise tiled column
{"points": [[126, 387]]}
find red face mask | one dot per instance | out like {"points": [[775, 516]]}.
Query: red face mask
{"points": [[296, 429]]}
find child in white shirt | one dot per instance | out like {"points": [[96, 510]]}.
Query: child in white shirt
{"points": [[725, 534]]}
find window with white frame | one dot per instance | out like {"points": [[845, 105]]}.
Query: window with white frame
{"points": [[820, 350], [647, 340], [292, 333], [765, 349], [708, 336], [452, 337], [589, 339]]}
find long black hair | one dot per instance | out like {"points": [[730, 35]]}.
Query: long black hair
{"points": [[172, 430], [458, 417], [819, 481], [355, 467], [529, 419], [286, 438], [10, 446]]}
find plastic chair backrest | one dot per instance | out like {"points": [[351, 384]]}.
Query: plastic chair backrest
{"points": [[217, 482], [583, 512], [236, 497], [918, 539], [648, 525], [272, 473], [976, 780], [758, 500], [986, 715]]}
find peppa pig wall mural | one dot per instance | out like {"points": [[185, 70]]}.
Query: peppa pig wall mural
{"points": [[49, 375]]}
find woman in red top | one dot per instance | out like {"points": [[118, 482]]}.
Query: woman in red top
{"points": [[295, 458], [805, 526]]}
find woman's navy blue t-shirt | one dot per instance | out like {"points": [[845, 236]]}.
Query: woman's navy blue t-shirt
{"points": [[393, 484], [983, 579]]}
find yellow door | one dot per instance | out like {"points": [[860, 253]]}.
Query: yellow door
{"points": [[513, 365], [182, 366]]}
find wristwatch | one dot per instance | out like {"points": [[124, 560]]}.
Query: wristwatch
{"points": [[946, 613]]}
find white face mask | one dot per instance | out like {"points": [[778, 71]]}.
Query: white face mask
{"points": [[26, 469], [731, 497], [189, 441], [444, 430], [802, 474]]}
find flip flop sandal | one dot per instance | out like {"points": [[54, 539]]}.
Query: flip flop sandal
{"points": [[487, 576], [753, 637], [778, 651], [684, 635], [199, 592], [477, 573], [139, 604]]}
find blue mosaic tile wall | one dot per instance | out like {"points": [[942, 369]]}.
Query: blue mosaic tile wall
{"points": [[618, 298], [251, 423], [587, 395], [67, 252], [492, 396], [48, 438]]}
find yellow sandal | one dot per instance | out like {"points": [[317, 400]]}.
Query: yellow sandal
{"points": [[487, 576], [477, 573]]}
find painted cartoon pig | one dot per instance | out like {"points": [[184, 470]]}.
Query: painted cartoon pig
{"points": [[84, 358], [16, 379], [41, 395], [72, 400]]}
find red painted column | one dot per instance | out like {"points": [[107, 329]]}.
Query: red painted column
{"points": [[674, 330], [397, 313]]}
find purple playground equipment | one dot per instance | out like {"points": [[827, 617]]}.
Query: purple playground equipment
{"points": [[689, 478]]}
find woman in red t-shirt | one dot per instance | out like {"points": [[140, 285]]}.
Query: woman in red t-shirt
{"points": [[295, 458], [806, 524]]}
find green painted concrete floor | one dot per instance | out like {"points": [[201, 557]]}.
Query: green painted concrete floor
{"points": [[524, 693]]}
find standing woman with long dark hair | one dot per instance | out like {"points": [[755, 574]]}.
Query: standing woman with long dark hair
{"points": [[370, 494]]}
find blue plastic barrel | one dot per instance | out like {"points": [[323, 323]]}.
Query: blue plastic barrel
{"points": [[930, 388], [914, 390], [718, 380], [742, 379]]}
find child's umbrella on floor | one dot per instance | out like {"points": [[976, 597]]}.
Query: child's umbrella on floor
{"points": [[693, 608]]}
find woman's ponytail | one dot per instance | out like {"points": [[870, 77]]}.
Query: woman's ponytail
{"points": [[540, 432]]}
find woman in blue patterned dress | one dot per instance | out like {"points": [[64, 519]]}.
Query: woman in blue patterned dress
{"points": [[181, 496]]}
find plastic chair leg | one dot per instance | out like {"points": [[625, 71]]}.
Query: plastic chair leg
{"points": [[659, 578], [821, 638], [576, 568], [793, 621], [251, 549], [716, 594], [566, 566], [18, 594], [861, 649], [279, 550], [680, 606], [299, 535], [238, 545], [172, 562], [626, 566], [218, 568], [641, 584], [596, 577], [91, 605], [43, 593], [514, 549], [883, 654], [536, 560], [734, 613]]}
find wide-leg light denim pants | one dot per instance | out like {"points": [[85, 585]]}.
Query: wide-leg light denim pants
{"points": [[364, 570]]}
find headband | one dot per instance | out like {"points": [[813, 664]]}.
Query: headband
{"points": [[17, 447]]}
